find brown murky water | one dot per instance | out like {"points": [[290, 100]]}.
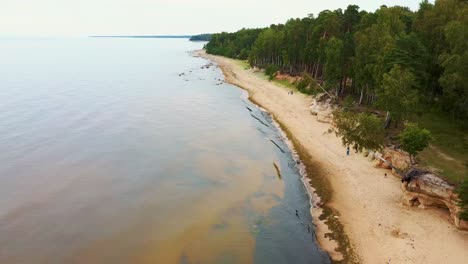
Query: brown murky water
{"points": [[109, 156]]}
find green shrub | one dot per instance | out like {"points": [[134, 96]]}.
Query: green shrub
{"points": [[414, 139], [303, 86], [271, 71], [348, 103], [359, 131], [462, 191]]}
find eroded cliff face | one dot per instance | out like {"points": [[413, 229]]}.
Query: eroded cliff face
{"points": [[398, 158], [425, 189], [283, 76], [322, 107], [421, 188]]}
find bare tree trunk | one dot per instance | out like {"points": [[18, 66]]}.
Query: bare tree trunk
{"points": [[390, 164], [388, 119], [362, 95]]}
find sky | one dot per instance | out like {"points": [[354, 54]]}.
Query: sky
{"points": [[159, 17]]}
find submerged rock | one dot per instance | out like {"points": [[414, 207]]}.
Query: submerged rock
{"points": [[425, 189]]}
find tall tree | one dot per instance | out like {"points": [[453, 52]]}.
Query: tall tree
{"points": [[414, 140], [334, 63], [454, 61], [397, 94]]}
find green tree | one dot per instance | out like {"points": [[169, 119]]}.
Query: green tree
{"points": [[397, 94], [454, 78], [410, 53], [414, 139], [334, 62], [360, 131]]}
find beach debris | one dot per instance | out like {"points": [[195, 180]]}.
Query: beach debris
{"points": [[260, 121], [277, 145], [278, 172], [207, 66]]}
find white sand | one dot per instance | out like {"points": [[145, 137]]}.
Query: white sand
{"points": [[380, 228]]}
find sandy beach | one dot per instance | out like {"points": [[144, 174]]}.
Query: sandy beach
{"points": [[380, 228]]}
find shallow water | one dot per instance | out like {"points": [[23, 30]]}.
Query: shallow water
{"points": [[109, 155]]}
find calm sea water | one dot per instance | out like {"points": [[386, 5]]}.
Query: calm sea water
{"points": [[109, 155]]}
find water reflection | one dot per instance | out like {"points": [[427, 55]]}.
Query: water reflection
{"points": [[124, 161]]}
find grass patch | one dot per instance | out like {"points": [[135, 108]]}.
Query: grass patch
{"points": [[281, 83], [243, 63], [452, 170], [285, 84], [448, 154]]}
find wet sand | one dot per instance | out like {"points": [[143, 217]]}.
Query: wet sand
{"points": [[380, 228]]}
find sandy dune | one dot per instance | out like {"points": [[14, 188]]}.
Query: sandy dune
{"points": [[381, 229]]}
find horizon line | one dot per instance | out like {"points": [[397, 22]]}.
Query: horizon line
{"points": [[141, 36]]}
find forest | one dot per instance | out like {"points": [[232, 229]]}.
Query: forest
{"points": [[411, 65], [201, 37], [350, 51]]}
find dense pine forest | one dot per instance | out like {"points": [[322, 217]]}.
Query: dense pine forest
{"points": [[201, 37], [357, 52], [411, 65]]}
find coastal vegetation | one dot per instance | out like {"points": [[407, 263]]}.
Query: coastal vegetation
{"points": [[414, 139], [400, 75], [201, 37], [463, 196], [359, 130]]}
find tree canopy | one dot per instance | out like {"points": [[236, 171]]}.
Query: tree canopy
{"points": [[201, 37], [419, 56], [414, 139], [360, 131]]}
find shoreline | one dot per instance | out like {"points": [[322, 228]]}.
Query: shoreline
{"points": [[359, 202], [321, 228]]}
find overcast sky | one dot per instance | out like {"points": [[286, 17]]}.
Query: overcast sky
{"points": [[156, 17]]}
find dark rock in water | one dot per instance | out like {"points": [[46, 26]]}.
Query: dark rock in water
{"points": [[425, 189]]}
